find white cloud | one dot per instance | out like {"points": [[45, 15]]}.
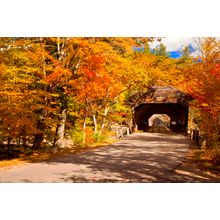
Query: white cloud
{"points": [[175, 43]]}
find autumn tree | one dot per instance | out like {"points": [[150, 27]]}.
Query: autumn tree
{"points": [[103, 77], [18, 100], [51, 83], [204, 85], [160, 50]]}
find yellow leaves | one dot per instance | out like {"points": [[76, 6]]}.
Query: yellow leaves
{"points": [[102, 48], [2, 68], [59, 76]]}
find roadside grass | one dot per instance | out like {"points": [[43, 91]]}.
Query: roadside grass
{"points": [[41, 155], [6, 164], [206, 159]]}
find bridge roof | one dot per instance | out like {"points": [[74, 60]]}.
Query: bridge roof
{"points": [[160, 94]]}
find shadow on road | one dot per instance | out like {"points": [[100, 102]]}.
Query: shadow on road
{"points": [[131, 161]]}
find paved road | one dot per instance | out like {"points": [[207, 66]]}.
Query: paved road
{"points": [[141, 157]]}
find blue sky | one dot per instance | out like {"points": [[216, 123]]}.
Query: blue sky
{"points": [[175, 44], [177, 53]]}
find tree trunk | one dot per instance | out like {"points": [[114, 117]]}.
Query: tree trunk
{"points": [[58, 48], [134, 126], [84, 132], [104, 119], [55, 137], [9, 141], [38, 138], [19, 141], [43, 59], [8, 148], [61, 130], [24, 141], [95, 123]]}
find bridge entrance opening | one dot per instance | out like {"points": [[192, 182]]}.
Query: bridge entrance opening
{"points": [[159, 123], [173, 115], [159, 120]]}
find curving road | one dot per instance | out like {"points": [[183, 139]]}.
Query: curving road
{"points": [[141, 157]]}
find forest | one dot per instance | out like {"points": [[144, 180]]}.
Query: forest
{"points": [[57, 92]]}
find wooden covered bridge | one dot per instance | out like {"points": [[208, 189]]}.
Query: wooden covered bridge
{"points": [[164, 100]]}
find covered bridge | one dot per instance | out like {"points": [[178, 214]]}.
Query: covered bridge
{"points": [[165, 100]]}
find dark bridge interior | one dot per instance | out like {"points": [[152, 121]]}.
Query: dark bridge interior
{"points": [[177, 112]]}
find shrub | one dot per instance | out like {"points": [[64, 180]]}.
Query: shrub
{"points": [[77, 137]]}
